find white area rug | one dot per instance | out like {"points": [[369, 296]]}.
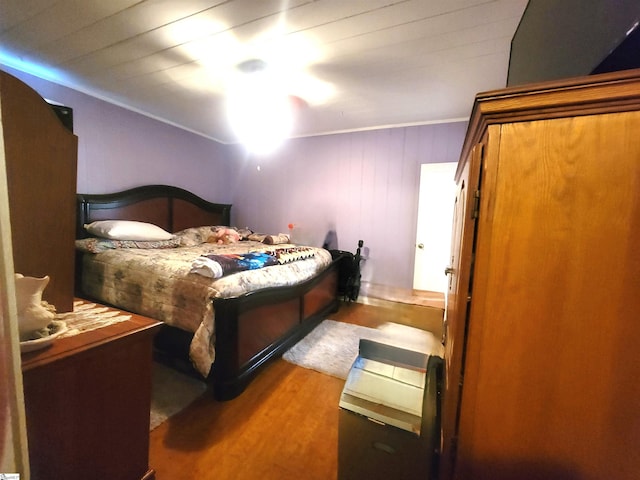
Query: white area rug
{"points": [[332, 346], [171, 392]]}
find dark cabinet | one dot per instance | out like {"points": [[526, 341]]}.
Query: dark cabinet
{"points": [[41, 164]]}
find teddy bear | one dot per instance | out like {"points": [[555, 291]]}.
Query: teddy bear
{"points": [[224, 236]]}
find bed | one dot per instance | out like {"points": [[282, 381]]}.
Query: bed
{"points": [[247, 320]]}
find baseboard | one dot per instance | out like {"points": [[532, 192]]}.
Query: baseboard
{"points": [[400, 295]]}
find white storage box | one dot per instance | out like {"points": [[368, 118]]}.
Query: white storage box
{"points": [[384, 431]]}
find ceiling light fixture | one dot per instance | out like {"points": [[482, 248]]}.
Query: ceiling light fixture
{"points": [[259, 108]]}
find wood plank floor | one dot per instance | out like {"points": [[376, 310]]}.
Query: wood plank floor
{"points": [[284, 426]]}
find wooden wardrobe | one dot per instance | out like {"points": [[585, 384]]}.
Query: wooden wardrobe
{"points": [[542, 376], [41, 160]]}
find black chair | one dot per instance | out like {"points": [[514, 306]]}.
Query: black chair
{"points": [[348, 272]]}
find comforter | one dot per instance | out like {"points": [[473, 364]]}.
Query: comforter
{"points": [[161, 284]]}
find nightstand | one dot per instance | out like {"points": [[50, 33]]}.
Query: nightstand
{"points": [[87, 401]]}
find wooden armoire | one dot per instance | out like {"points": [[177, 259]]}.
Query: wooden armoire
{"points": [[542, 367], [41, 162]]}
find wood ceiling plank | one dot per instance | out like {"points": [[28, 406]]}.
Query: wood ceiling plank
{"points": [[368, 34], [14, 13], [381, 56], [148, 17], [39, 32], [405, 49]]}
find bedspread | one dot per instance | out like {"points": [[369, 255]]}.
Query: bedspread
{"points": [[158, 284]]}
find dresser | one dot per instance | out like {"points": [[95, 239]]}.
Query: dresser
{"points": [[542, 322], [87, 401]]}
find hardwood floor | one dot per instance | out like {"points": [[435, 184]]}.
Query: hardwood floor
{"points": [[284, 426]]}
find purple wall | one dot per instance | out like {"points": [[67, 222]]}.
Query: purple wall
{"points": [[119, 149], [363, 185]]}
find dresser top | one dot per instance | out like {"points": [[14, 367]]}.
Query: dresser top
{"points": [[67, 346]]}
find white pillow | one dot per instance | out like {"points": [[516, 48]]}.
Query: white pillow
{"points": [[127, 230]]}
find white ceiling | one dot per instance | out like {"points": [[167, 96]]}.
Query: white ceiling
{"points": [[357, 64]]}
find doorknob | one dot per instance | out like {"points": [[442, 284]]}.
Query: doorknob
{"points": [[449, 270], [421, 246]]}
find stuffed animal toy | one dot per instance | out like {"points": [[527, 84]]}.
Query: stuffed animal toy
{"points": [[224, 236]]}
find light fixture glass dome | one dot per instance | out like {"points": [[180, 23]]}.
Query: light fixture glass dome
{"points": [[259, 109]]}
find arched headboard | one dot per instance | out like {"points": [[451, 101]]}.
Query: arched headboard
{"points": [[171, 208]]}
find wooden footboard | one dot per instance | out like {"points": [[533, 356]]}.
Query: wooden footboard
{"points": [[255, 328]]}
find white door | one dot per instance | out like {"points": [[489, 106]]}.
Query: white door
{"points": [[435, 215]]}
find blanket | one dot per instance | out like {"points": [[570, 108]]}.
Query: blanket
{"points": [[158, 283], [215, 266], [219, 265]]}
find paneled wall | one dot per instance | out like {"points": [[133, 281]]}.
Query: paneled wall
{"points": [[363, 185]]}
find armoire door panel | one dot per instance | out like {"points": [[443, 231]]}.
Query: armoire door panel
{"points": [[553, 328], [463, 234]]}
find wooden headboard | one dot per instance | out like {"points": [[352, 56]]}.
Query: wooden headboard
{"points": [[170, 208]]}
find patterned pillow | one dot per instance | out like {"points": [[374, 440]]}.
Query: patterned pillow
{"points": [[276, 239], [256, 237], [98, 245], [269, 239]]}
